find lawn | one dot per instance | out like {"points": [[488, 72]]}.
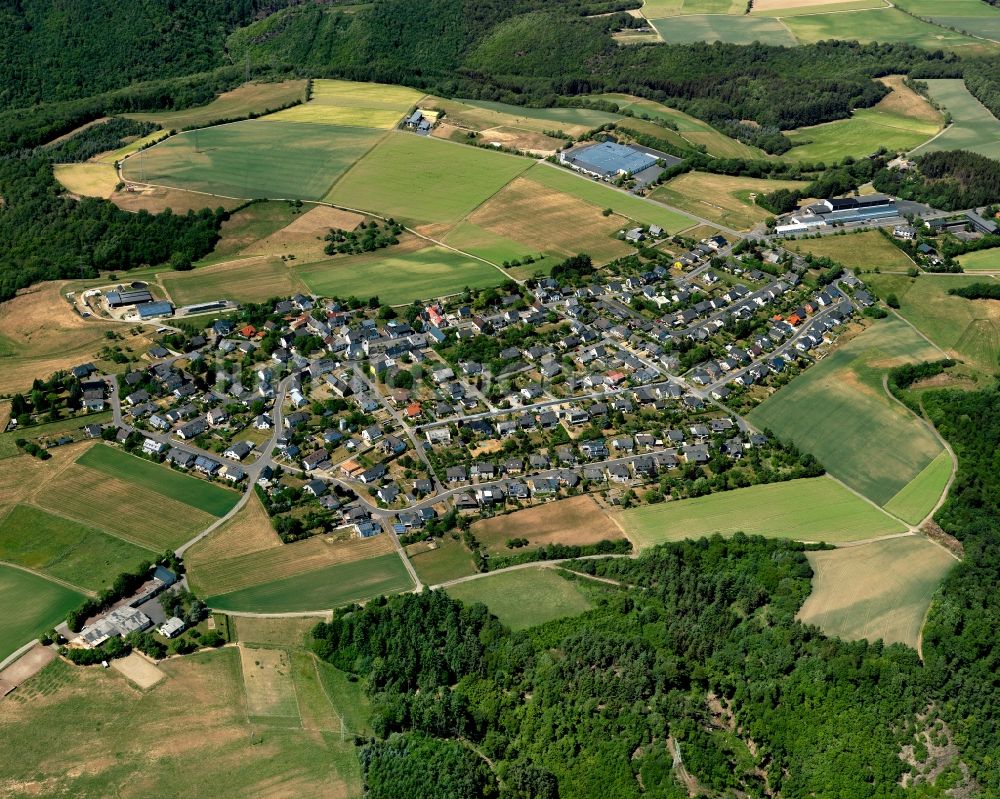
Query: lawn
{"points": [[362, 105], [194, 723], [838, 411], [885, 25], [917, 498], [973, 126], [877, 590], [418, 179], [398, 278], [254, 159], [249, 98], [866, 250], [321, 589], [251, 279], [815, 509], [968, 328], [524, 597], [720, 198], [197, 493], [32, 606], [604, 196], [65, 549], [449, 560], [723, 28], [982, 261]]}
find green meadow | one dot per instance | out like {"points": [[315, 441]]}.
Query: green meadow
{"points": [[973, 126], [39, 603]]}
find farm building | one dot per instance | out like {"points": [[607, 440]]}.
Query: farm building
{"points": [[151, 310], [122, 297], [608, 160]]}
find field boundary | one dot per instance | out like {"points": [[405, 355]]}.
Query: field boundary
{"points": [[50, 578]]}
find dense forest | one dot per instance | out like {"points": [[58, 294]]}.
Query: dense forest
{"points": [[982, 79], [948, 179]]}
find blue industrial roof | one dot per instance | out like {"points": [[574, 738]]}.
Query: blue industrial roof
{"points": [[611, 158], [150, 309]]}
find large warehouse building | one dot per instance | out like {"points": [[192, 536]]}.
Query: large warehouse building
{"points": [[608, 160]]}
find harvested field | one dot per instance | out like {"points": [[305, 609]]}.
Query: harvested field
{"points": [[226, 574], [249, 225], [252, 279], [875, 591], [303, 238], [249, 98], [197, 714], [248, 531], [481, 115], [526, 140], [87, 180], [23, 476], [726, 200], [321, 589], [494, 248], [156, 200], [267, 677], [866, 250], [815, 509], [363, 105], [40, 604], [138, 670], [574, 521], [525, 597]]}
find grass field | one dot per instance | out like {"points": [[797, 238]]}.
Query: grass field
{"points": [[525, 597], [816, 509], [603, 196], [302, 239], [866, 250], [449, 560], [250, 279], [577, 520], [413, 178], [290, 632], [982, 261], [191, 491], [397, 278], [254, 159], [886, 25], [169, 740], [788, 8], [973, 128], [972, 16], [899, 122], [362, 105], [838, 411], [970, 329], [723, 28], [917, 498], [720, 198], [480, 115], [348, 698], [249, 225], [250, 98], [33, 605], [87, 180], [321, 589], [877, 590], [267, 678], [65, 549], [114, 156]]}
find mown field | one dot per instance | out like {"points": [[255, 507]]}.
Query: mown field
{"points": [[251, 279], [838, 411], [525, 597], [876, 590], [788, 8], [66, 549], [416, 179], [254, 159], [720, 198], [362, 105], [399, 277], [448, 560], [32, 605], [973, 126], [815, 509], [970, 329], [251, 98], [866, 250], [982, 261], [87, 180], [195, 722], [482, 115], [886, 25], [603, 196], [917, 498], [322, 588], [723, 28], [249, 225]]}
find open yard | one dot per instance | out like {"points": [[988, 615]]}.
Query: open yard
{"points": [[577, 520], [413, 178], [254, 159], [525, 597], [917, 498], [866, 250], [32, 606], [838, 411], [720, 198], [604, 196], [973, 126], [362, 105], [251, 279], [170, 740], [65, 549], [249, 98], [731, 29], [900, 121], [399, 277], [876, 590], [321, 589], [815, 509], [969, 329]]}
